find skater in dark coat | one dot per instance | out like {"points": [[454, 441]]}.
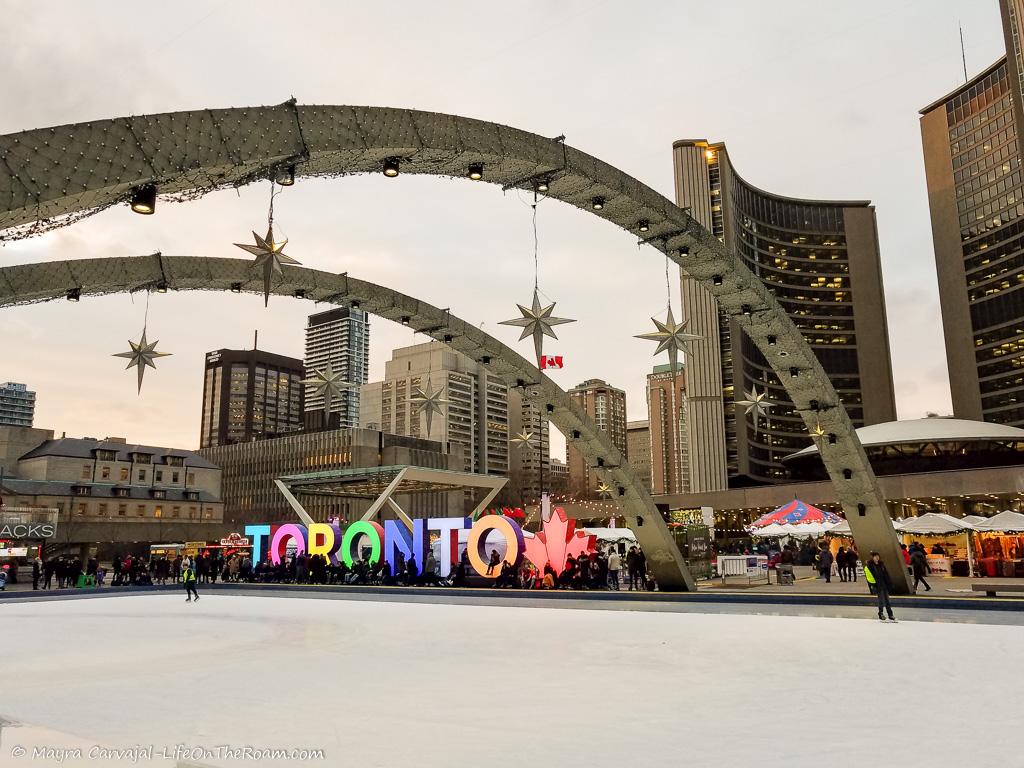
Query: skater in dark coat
{"points": [[883, 584], [919, 566]]}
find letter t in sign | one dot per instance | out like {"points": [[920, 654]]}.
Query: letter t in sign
{"points": [[448, 528]]}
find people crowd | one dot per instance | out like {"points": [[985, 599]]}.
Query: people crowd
{"points": [[594, 570]]}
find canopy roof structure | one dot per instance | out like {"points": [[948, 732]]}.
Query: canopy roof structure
{"points": [[52, 176], [796, 513], [931, 430], [1004, 522]]}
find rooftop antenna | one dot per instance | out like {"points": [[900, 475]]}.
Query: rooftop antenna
{"points": [[256, 339], [963, 53]]}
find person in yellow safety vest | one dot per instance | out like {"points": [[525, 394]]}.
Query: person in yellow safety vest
{"points": [[189, 579], [883, 584]]}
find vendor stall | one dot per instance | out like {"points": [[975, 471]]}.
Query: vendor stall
{"points": [[946, 541], [999, 541]]}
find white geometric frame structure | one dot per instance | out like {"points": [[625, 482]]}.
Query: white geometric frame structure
{"points": [[52, 175], [492, 484]]}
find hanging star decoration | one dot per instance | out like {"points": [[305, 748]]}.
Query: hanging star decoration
{"points": [[758, 404], [537, 322], [818, 431], [269, 258], [142, 354], [428, 402], [671, 337], [604, 490], [328, 384], [523, 438]]}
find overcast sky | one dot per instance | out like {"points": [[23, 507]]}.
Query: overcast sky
{"points": [[815, 99]]}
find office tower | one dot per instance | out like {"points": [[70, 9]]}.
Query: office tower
{"points": [[249, 395], [638, 446], [820, 259], [17, 405], [606, 405], [667, 404], [976, 196], [339, 338], [474, 406]]}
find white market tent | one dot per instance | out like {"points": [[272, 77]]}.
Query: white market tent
{"points": [[935, 524], [843, 528], [1004, 522], [973, 519], [771, 530]]}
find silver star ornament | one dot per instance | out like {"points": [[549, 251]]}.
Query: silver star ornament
{"points": [[537, 321], [671, 337], [604, 490], [269, 258], [142, 354], [756, 403], [428, 402], [329, 384]]}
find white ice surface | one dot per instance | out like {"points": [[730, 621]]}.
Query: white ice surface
{"points": [[423, 685]]}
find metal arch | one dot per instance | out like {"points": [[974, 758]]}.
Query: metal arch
{"points": [[46, 281], [64, 171]]}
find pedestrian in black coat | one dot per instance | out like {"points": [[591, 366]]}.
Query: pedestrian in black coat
{"points": [[883, 584]]}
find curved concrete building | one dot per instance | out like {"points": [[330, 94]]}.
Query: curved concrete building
{"points": [[821, 261]]}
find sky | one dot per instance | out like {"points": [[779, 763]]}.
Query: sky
{"points": [[815, 99]]}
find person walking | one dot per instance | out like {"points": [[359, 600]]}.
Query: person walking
{"points": [[919, 566], [614, 566], [825, 561], [841, 563], [874, 570], [188, 576], [37, 571]]}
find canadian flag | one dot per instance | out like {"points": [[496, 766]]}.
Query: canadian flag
{"points": [[550, 361]]}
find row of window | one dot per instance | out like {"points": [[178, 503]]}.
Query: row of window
{"points": [[999, 121], [124, 474], [85, 509]]}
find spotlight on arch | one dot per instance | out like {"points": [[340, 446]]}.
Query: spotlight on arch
{"points": [[144, 199], [161, 287], [644, 225], [286, 176], [716, 280], [746, 310], [543, 185], [74, 294], [476, 171], [391, 167], [597, 203]]}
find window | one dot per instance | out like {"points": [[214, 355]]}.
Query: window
{"points": [[102, 510], [105, 473], [125, 474], [122, 510], [142, 475], [175, 511], [190, 478], [158, 511], [106, 455], [86, 471], [81, 490], [159, 494], [192, 513], [192, 495], [140, 510], [121, 492], [158, 475], [175, 477], [143, 458], [81, 509], [175, 461]]}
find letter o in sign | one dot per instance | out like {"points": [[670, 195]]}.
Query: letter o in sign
{"points": [[476, 547]]}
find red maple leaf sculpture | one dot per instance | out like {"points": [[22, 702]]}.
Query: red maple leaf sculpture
{"points": [[557, 541]]}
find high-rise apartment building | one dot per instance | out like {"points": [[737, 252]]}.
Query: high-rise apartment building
{"points": [[17, 405], [638, 447], [530, 465], [474, 404], [820, 259], [669, 449], [341, 338], [976, 196], [250, 395], [606, 405]]}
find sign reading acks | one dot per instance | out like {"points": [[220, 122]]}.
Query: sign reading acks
{"points": [[27, 530]]}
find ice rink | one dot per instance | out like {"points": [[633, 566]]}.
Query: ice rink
{"points": [[423, 685]]}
